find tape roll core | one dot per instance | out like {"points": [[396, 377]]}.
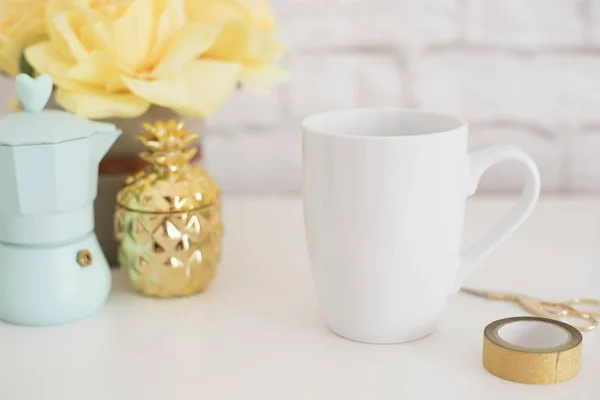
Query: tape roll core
{"points": [[532, 350]]}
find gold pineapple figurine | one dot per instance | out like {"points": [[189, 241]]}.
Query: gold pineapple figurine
{"points": [[168, 217]]}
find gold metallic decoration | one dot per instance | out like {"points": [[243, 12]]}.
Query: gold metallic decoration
{"points": [[84, 258], [571, 309], [168, 217], [538, 365]]}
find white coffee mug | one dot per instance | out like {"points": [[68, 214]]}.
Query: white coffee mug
{"points": [[384, 203]]}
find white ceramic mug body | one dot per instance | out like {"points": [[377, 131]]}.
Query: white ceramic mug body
{"points": [[384, 202]]}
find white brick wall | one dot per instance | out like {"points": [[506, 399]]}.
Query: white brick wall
{"points": [[524, 72], [524, 23], [487, 85], [582, 160], [323, 81]]}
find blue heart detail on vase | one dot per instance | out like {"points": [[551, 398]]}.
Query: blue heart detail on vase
{"points": [[34, 93]]}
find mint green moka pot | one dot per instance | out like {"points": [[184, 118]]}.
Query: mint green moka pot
{"points": [[52, 269]]}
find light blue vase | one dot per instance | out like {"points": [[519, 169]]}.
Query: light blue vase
{"points": [[52, 269]]}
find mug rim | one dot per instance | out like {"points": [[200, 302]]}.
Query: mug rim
{"points": [[308, 126]]}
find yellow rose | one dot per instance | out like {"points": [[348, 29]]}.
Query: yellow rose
{"points": [[247, 37], [21, 24], [114, 58]]}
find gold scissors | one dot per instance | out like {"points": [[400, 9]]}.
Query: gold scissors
{"points": [[549, 309]]}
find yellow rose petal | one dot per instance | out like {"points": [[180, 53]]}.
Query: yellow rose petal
{"points": [[232, 43], [45, 59], [53, 8], [191, 42], [98, 70], [260, 79], [262, 16], [199, 90], [66, 25], [103, 39], [171, 20], [21, 24], [10, 54], [166, 91], [263, 49], [209, 83], [99, 105], [216, 11], [8, 63], [132, 33]]}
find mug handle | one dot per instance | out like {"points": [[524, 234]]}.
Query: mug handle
{"points": [[479, 162]]}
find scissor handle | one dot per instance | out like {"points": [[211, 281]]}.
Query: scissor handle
{"points": [[595, 303], [539, 307], [592, 322], [561, 311]]}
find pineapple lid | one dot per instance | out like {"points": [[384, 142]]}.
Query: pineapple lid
{"points": [[170, 184]]}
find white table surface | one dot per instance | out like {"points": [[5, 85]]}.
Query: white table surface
{"points": [[257, 332]]}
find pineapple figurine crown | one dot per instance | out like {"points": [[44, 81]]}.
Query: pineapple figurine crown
{"points": [[166, 143]]}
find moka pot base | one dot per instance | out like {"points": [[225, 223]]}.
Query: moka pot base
{"points": [[36, 229], [52, 284]]}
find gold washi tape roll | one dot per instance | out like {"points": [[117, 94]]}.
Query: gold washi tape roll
{"points": [[532, 350]]}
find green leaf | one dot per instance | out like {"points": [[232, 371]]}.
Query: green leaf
{"points": [[25, 67]]}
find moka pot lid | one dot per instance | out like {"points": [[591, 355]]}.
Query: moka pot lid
{"points": [[36, 126]]}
